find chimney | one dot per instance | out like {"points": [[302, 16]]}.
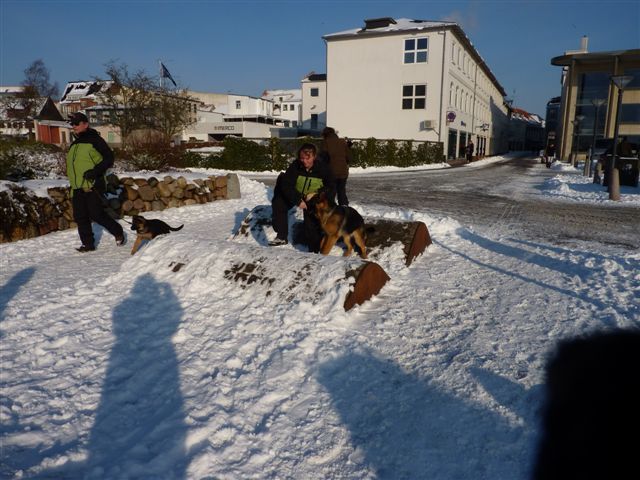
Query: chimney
{"points": [[373, 23], [584, 43]]}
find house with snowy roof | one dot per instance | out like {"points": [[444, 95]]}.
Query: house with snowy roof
{"points": [[526, 131], [19, 120], [414, 80], [80, 95], [287, 106]]}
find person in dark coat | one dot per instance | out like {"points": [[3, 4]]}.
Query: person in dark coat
{"points": [[337, 152], [305, 175], [88, 159], [550, 154], [469, 151]]}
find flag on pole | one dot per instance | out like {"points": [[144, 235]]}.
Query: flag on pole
{"points": [[164, 73]]}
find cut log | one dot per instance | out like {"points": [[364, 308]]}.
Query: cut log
{"points": [[414, 236], [303, 283], [370, 278], [382, 233]]}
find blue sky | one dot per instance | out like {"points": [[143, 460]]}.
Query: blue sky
{"points": [[249, 46]]}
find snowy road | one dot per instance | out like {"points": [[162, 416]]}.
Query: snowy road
{"points": [[504, 194]]}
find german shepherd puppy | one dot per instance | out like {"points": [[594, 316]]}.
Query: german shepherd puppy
{"points": [[148, 229], [338, 221]]}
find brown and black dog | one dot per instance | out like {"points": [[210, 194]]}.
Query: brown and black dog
{"points": [[148, 229], [338, 221]]}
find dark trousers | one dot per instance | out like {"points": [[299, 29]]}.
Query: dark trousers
{"points": [[88, 207], [341, 190], [280, 221]]}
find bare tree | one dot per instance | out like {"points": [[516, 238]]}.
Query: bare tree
{"points": [[136, 101], [36, 77], [173, 111]]}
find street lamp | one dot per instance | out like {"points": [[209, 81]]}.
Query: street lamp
{"points": [[620, 81], [597, 103], [575, 122]]}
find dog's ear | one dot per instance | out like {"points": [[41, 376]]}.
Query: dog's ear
{"points": [[309, 196]]}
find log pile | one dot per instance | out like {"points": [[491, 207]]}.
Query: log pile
{"points": [[24, 215]]}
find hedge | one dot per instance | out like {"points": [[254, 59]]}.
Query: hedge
{"points": [[275, 154]]}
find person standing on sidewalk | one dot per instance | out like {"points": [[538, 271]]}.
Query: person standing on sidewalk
{"points": [[88, 159], [339, 155], [469, 151]]}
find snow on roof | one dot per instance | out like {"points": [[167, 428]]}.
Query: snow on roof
{"points": [[292, 95], [10, 89], [74, 91], [519, 114], [398, 25]]}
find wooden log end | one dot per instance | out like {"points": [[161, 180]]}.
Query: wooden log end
{"points": [[369, 281], [421, 240]]}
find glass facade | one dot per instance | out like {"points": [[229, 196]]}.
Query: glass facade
{"points": [[591, 85], [453, 138]]}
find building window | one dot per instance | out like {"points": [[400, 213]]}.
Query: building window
{"points": [[294, 123], [238, 105], [285, 107], [414, 97], [314, 92], [415, 50], [630, 113], [314, 120], [292, 107]]}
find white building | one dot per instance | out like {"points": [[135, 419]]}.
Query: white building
{"points": [[222, 114], [413, 79], [287, 106], [314, 101]]}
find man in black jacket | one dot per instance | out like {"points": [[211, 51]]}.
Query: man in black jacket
{"points": [[303, 176], [88, 159]]}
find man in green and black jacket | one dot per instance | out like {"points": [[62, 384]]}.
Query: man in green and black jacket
{"points": [[305, 175], [88, 159]]}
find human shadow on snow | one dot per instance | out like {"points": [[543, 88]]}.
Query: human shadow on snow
{"points": [[561, 266], [601, 306], [13, 286], [139, 427], [408, 427]]}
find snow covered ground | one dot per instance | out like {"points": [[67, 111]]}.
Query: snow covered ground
{"points": [[159, 366]]}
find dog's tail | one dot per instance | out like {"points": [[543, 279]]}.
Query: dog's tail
{"points": [[175, 229]]}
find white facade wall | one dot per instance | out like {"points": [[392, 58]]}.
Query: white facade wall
{"points": [[287, 106], [365, 80], [366, 75], [203, 126], [314, 105], [245, 105]]}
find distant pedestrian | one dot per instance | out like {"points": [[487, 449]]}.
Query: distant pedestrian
{"points": [[336, 150], [88, 159], [550, 154], [469, 151]]}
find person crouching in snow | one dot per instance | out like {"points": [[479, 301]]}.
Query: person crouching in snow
{"points": [[305, 175]]}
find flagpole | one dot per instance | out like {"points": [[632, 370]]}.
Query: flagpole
{"points": [[160, 67]]}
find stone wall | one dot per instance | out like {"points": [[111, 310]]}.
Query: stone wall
{"points": [[24, 215]]}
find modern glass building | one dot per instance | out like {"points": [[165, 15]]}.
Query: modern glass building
{"points": [[586, 83]]}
